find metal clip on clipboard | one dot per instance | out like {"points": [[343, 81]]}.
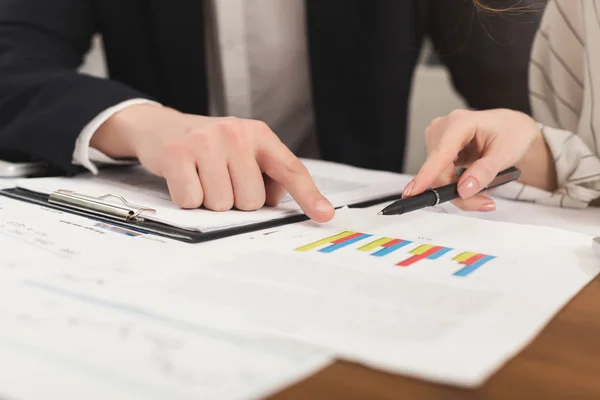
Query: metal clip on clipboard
{"points": [[124, 210]]}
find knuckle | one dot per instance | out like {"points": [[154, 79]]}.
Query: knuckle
{"points": [[486, 167], [430, 135], [233, 130], [230, 126], [239, 140], [202, 140], [436, 121], [436, 150], [230, 122], [262, 127], [428, 131], [262, 131], [294, 167], [458, 113], [432, 132]]}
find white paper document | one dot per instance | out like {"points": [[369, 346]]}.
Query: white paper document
{"points": [[341, 184], [59, 344], [439, 297], [55, 345], [7, 183], [428, 294], [578, 220], [37, 239]]}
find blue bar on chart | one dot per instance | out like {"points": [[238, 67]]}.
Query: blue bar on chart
{"points": [[439, 253], [391, 246], [346, 241], [473, 264]]}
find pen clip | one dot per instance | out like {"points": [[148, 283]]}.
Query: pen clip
{"points": [[97, 205]]}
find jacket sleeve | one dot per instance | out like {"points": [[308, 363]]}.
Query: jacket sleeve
{"points": [[44, 101]]}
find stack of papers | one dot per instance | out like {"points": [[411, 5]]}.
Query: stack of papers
{"points": [[585, 220], [59, 344], [121, 313], [341, 184], [434, 296]]}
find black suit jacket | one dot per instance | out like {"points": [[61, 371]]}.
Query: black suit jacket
{"points": [[362, 56]]}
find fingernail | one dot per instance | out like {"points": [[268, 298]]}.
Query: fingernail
{"points": [[323, 206], [469, 188], [488, 207], [408, 189]]}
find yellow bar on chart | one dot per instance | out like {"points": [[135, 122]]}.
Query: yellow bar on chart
{"points": [[421, 249], [464, 256], [327, 240], [375, 244]]}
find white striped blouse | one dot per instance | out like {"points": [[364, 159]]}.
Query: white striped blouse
{"points": [[565, 99]]}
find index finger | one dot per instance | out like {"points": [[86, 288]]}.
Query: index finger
{"points": [[458, 134], [281, 165]]}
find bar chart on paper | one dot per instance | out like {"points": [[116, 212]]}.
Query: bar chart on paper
{"points": [[401, 253]]}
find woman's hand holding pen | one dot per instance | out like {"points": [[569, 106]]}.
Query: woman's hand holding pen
{"points": [[485, 143], [219, 163]]}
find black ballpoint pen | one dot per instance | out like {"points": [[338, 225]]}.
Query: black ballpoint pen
{"points": [[435, 196]]}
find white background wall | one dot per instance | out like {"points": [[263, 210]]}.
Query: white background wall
{"points": [[432, 96]]}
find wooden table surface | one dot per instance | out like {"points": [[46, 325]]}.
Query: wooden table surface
{"points": [[562, 363]]}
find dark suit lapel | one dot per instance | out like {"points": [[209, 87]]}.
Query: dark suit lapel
{"points": [[362, 58], [179, 39]]}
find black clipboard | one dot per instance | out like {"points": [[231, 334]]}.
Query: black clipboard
{"points": [[131, 216]]}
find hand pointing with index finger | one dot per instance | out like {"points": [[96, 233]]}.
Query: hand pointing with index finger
{"points": [[290, 174], [218, 163]]}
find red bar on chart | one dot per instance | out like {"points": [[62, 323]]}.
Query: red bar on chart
{"points": [[416, 258], [347, 238], [472, 260], [392, 243], [390, 247]]}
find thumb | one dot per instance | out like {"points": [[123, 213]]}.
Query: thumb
{"points": [[478, 176]]}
